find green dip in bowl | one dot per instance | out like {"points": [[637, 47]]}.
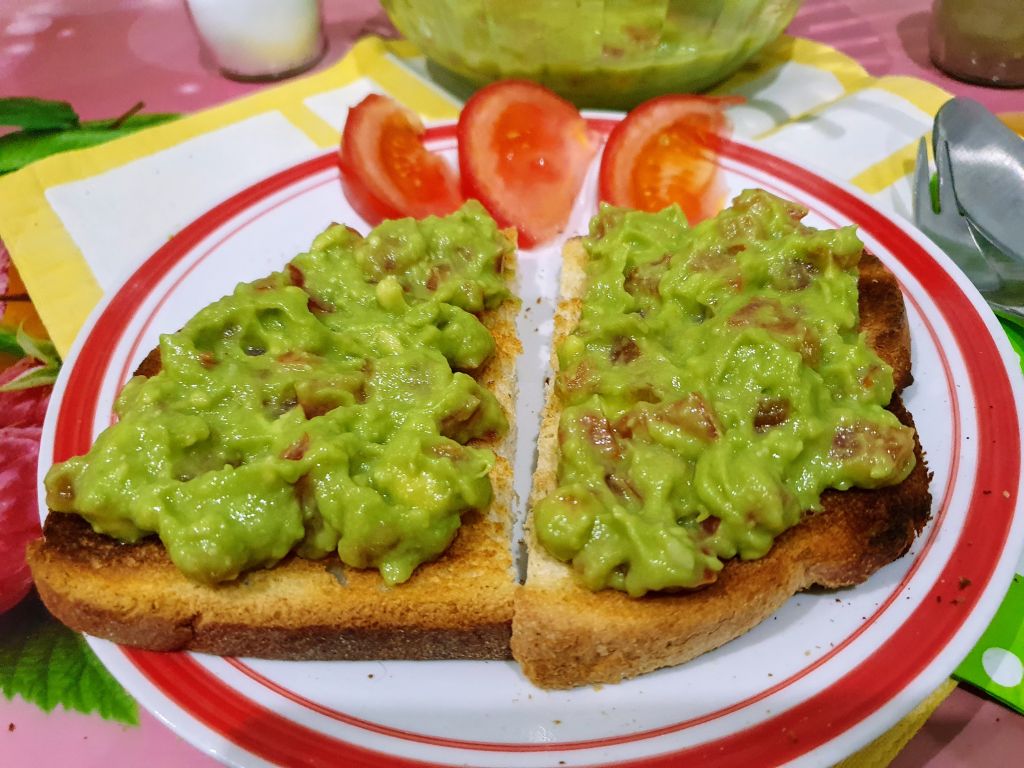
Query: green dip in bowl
{"points": [[598, 53]]}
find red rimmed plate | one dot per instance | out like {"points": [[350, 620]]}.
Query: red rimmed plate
{"points": [[826, 674]]}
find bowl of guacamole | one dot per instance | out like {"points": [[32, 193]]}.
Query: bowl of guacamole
{"points": [[597, 53]]}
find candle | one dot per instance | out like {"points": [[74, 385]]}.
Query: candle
{"points": [[260, 39], [981, 41]]}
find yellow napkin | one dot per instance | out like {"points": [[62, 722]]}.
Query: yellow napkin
{"points": [[883, 750]]}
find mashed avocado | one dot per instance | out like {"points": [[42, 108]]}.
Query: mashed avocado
{"points": [[324, 408], [717, 383]]}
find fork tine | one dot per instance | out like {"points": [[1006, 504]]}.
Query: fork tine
{"points": [[948, 228], [922, 198], [947, 192], [1009, 268]]}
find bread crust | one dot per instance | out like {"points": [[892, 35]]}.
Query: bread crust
{"points": [[462, 605], [564, 635], [456, 607]]}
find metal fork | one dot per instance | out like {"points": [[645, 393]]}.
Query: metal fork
{"points": [[999, 278]]}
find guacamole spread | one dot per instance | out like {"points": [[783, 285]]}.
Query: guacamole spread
{"points": [[322, 409], [716, 384]]}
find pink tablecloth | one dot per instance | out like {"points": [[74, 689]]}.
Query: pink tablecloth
{"points": [[105, 55]]}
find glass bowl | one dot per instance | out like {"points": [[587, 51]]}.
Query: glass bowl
{"points": [[598, 53]]}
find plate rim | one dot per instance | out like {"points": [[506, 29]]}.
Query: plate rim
{"points": [[1002, 572]]}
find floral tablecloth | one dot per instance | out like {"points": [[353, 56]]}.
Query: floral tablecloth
{"points": [[44, 667]]}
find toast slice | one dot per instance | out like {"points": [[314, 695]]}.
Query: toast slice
{"points": [[456, 607], [565, 635]]}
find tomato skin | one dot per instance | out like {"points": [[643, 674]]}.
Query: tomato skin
{"points": [[523, 153], [386, 172], [665, 151]]}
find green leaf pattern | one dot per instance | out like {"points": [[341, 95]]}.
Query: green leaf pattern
{"points": [[44, 662], [9, 343], [49, 127], [36, 114], [42, 350]]}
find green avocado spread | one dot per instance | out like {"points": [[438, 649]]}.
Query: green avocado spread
{"points": [[716, 384], [322, 409]]}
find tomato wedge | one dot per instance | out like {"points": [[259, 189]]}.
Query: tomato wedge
{"points": [[386, 171], [665, 152], [523, 153]]}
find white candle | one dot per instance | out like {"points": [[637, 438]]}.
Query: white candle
{"points": [[259, 38]]}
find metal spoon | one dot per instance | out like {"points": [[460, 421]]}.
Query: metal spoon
{"points": [[987, 159]]}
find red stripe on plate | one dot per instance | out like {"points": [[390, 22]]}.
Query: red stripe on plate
{"points": [[237, 718]]}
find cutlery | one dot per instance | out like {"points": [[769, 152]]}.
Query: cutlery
{"points": [[987, 159], [994, 274]]}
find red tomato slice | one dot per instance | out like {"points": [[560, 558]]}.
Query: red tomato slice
{"points": [[665, 152], [523, 153], [386, 171]]}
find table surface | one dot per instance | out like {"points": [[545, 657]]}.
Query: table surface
{"points": [[105, 55]]}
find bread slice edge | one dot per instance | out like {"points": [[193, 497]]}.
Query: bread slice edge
{"points": [[456, 607], [564, 635]]}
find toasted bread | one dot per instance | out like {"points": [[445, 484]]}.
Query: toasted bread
{"points": [[458, 606], [565, 635], [462, 604]]}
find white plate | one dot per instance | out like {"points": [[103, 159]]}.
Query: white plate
{"points": [[822, 677]]}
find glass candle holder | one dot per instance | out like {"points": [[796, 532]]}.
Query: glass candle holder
{"points": [[980, 41], [260, 39]]}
